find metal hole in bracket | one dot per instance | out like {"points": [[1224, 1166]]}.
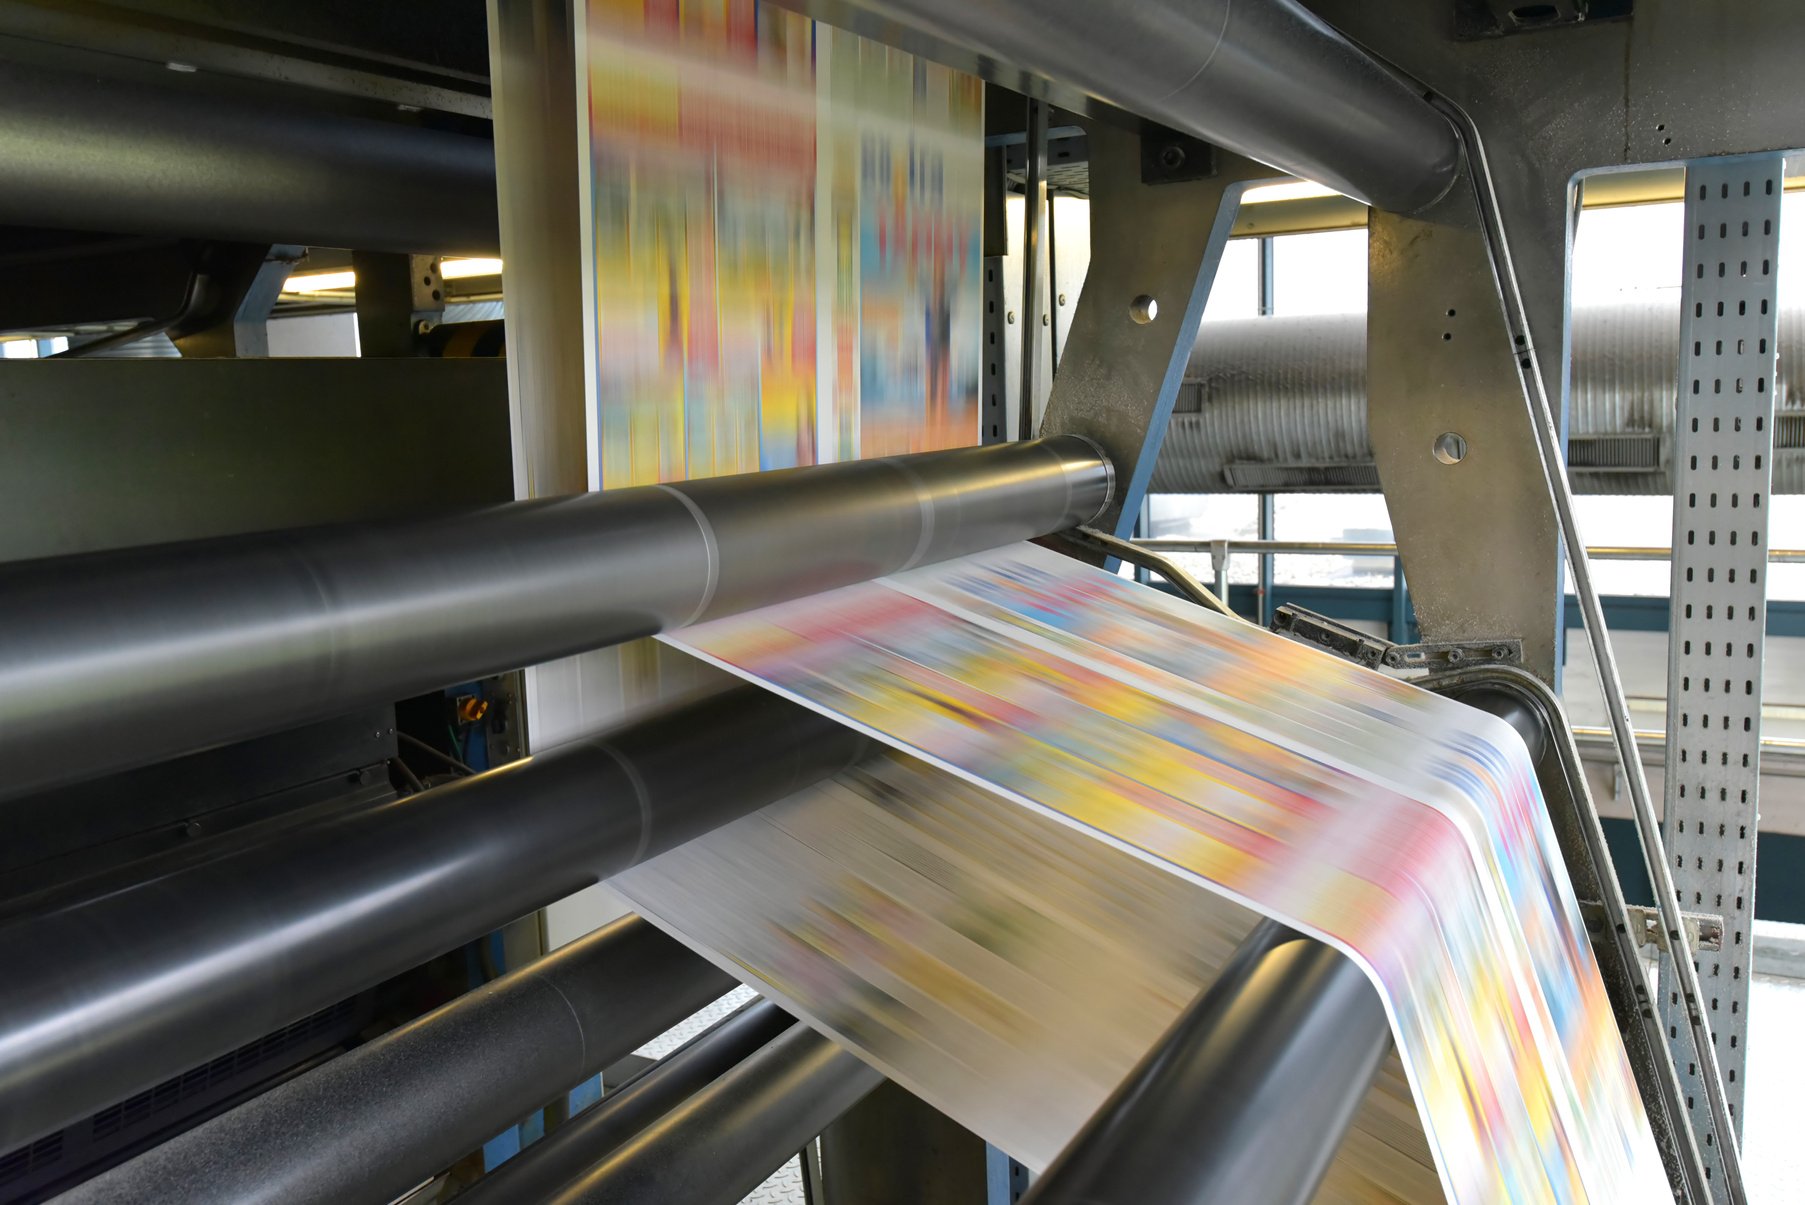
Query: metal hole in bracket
{"points": [[1143, 309], [1450, 447]]}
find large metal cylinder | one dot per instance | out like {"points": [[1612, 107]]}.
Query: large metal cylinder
{"points": [[630, 1109], [1246, 1097], [375, 1122], [117, 659], [1264, 78], [86, 152], [727, 1139], [1280, 403], [116, 993]]}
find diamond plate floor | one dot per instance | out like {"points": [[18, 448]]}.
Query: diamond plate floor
{"points": [[783, 1188], [693, 1025]]}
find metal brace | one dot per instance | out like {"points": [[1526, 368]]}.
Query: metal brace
{"points": [[1505, 650], [1373, 652], [1704, 930]]}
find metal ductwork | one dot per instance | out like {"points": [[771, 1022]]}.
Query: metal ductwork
{"points": [[1264, 78], [377, 1121], [83, 151], [117, 659], [120, 990], [1279, 404]]}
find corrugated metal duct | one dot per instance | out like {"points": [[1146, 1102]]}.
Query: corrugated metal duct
{"points": [[1280, 404]]}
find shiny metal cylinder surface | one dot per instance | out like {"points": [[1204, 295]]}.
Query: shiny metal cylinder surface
{"points": [[115, 993], [585, 1140], [85, 152], [1265, 78], [726, 1140], [380, 1119], [1246, 1097], [116, 659]]}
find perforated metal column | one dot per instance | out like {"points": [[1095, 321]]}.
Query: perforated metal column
{"points": [[1723, 445]]}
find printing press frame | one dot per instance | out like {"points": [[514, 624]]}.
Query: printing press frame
{"points": [[1468, 559]]}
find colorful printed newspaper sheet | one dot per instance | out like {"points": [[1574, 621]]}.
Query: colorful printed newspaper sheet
{"points": [[781, 266], [784, 240], [1005, 967], [1403, 828]]}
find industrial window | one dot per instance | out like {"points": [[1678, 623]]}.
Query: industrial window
{"points": [[1322, 273], [1236, 291], [1208, 517], [1332, 518]]}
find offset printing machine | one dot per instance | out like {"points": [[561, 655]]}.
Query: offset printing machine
{"points": [[264, 934]]}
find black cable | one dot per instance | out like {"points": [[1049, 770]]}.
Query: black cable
{"points": [[407, 775], [415, 742]]}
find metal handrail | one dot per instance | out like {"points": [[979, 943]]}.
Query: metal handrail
{"points": [[1652, 736], [1788, 556]]}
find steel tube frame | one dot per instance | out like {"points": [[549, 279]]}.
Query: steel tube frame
{"points": [[375, 1122], [115, 993], [1264, 78], [724, 1141], [121, 658], [1246, 1097], [123, 156], [564, 1155]]}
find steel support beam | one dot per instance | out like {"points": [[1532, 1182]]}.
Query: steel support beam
{"points": [[632, 1108], [119, 991], [1266, 79], [244, 331], [87, 152], [373, 1123], [1246, 1097], [726, 1140], [118, 659], [1155, 249], [399, 299], [1456, 455]]}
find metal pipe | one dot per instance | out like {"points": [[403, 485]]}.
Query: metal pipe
{"points": [[116, 993], [726, 1140], [116, 659], [1137, 554], [579, 1144], [86, 152], [1608, 552], [1246, 1097], [1264, 78], [376, 1121]]}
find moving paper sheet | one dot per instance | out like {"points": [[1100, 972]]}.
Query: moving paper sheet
{"points": [[781, 268], [1005, 967], [1405, 829], [784, 239]]}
